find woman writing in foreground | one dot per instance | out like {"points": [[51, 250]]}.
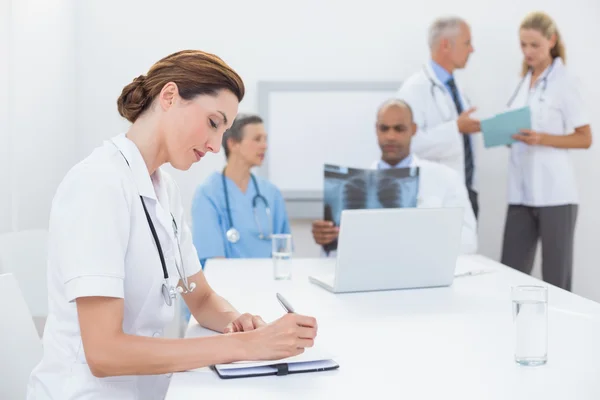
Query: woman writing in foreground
{"points": [[119, 250]]}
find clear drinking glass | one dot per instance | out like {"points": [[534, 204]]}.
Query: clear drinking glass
{"points": [[530, 316], [282, 256]]}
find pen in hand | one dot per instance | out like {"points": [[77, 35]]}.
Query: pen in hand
{"points": [[306, 327], [284, 303]]}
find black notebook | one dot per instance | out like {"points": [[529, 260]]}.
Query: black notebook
{"points": [[312, 360], [278, 369]]}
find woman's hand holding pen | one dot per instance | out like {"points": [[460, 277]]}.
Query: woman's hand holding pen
{"points": [[288, 336], [244, 323]]}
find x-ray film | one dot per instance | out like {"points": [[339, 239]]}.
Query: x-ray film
{"points": [[353, 188]]}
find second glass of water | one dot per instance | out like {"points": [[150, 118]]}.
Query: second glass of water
{"points": [[282, 256], [530, 316]]}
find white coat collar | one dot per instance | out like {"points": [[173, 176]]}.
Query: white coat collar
{"points": [[549, 73], [138, 167], [431, 75], [559, 65], [552, 70], [522, 92], [143, 182], [413, 163]]}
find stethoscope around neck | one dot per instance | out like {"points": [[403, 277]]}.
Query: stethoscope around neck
{"points": [[232, 234], [169, 292], [434, 85], [544, 83]]}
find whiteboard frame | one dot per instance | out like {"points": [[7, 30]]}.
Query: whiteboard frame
{"points": [[308, 204]]}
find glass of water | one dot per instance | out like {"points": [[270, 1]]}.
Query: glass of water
{"points": [[530, 316], [282, 256]]}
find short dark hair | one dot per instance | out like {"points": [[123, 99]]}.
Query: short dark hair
{"points": [[236, 132], [394, 102]]}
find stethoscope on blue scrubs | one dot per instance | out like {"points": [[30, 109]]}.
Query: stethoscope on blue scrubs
{"points": [[544, 84], [168, 291], [232, 234]]}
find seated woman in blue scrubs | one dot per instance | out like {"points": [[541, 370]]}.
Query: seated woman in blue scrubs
{"points": [[234, 212]]}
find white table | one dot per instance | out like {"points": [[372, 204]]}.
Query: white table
{"points": [[442, 343]]}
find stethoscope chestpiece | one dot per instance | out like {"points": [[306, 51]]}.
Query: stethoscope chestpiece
{"points": [[168, 294], [181, 290], [233, 235]]}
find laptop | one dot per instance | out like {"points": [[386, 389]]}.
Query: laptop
{"points": [[400, 248]]}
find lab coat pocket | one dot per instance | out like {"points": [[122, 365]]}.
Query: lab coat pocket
{"points": [[83, 385], [118, 387], [551, 119]]}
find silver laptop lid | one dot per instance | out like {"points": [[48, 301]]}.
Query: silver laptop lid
{"points": [[397, 248]]}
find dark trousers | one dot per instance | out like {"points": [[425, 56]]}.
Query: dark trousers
{"points": [[555, 226], [474, 202]]}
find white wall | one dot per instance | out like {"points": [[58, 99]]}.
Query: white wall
{"points": [[40, 132], [5, 159], [274, 40]]}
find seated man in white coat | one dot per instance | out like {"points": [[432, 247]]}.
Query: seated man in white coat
{"points": [[439, 185]]}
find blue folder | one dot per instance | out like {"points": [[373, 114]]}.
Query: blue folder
{"points": [[498, 130]]}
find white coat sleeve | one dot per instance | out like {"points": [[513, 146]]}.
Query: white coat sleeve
{"points": [[573, 106], [89, 232], [457, 196], [435, 143]]}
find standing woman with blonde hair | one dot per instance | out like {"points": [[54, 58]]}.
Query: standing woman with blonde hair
{"points": [[542, 192]]}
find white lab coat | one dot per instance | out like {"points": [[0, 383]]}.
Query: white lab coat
{"points": [[440, 186], [437, 138], [100, 244], [540, 176]]}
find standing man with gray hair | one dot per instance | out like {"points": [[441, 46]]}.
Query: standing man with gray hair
{"points": [[441, 111]]}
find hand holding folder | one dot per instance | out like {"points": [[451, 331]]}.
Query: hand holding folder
{"points": [[499, 130]]}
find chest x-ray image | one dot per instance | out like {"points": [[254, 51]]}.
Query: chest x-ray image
{"points": [[353, 188]]}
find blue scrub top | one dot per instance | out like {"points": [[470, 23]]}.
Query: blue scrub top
{"points": [[210, 222]]}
